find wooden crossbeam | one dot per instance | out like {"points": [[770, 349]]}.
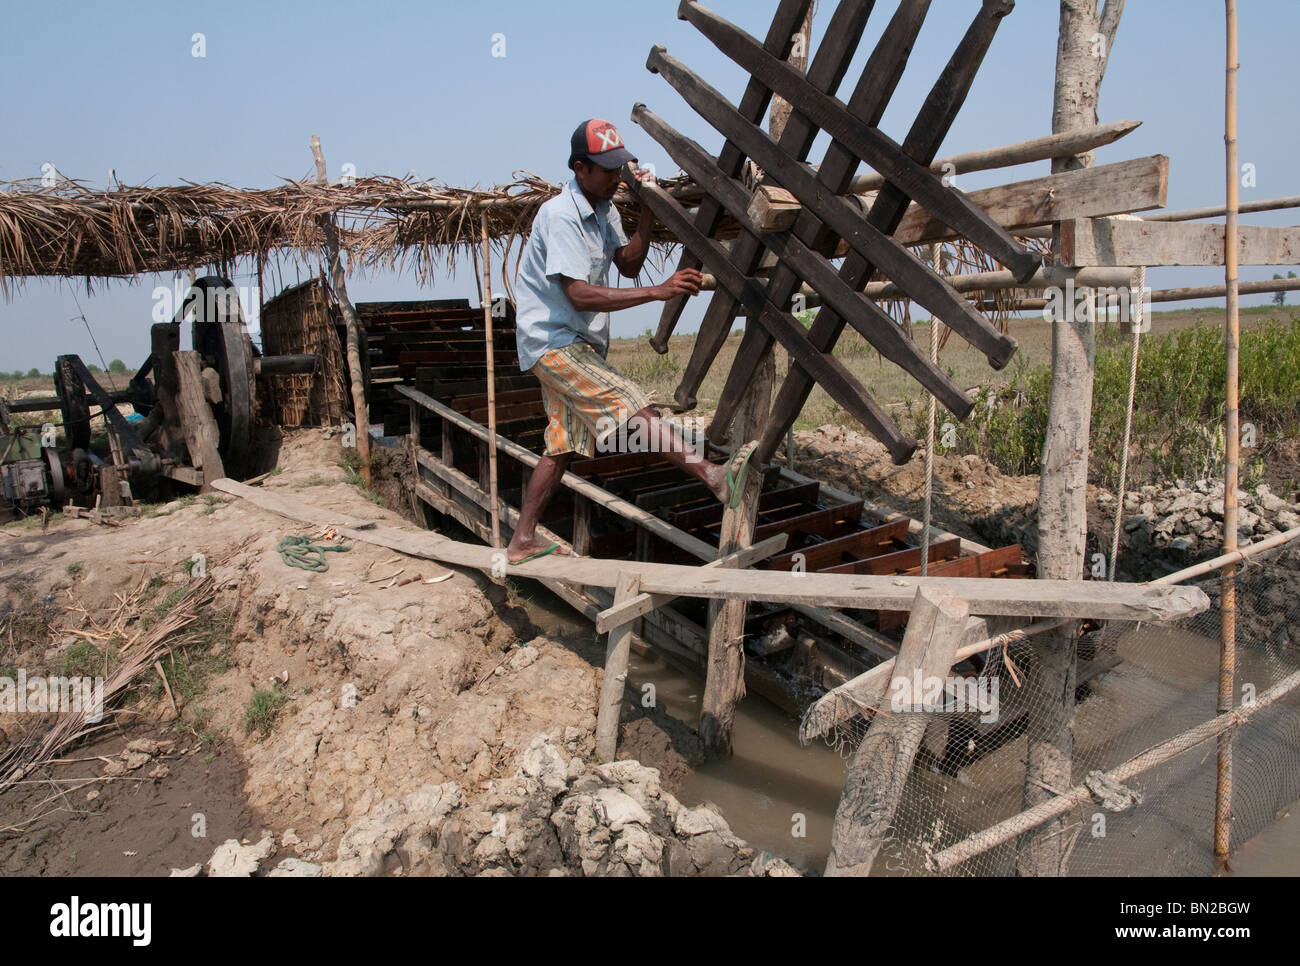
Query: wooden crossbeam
{"points": [[921, 144], [754, 102], [641, 604], [862, 313], [1141, 184], [1018, 598], [1114, 241], [866, 142]]}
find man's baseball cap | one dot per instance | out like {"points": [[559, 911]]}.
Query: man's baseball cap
{"points": [[600, 143]]}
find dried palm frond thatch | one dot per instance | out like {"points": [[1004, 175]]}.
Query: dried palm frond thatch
{"points": [[68, 229]]}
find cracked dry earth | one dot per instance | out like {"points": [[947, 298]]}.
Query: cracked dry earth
{"points": [[423, 728]]}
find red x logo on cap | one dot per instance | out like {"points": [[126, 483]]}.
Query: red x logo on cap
{"points": [[602, 136]]}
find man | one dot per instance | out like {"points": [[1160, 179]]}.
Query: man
{"points": [[562, 324]]}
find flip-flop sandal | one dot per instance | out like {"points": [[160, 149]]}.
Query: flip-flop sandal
{"points": [[736, 483], [541, 553]]}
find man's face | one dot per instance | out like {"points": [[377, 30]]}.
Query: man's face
{"points": [[597, 181]]}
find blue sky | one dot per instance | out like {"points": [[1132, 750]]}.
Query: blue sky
{"points": [[395, 87]]}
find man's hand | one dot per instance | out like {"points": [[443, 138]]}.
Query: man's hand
{"points": [[644, 176], [685, 282]]}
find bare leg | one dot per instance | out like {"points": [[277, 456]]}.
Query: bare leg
{"points": [[541, 487], [661, 438]]}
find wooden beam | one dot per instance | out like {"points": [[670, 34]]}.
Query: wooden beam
{"points": [[1064, 145], [882, 763], [1218, 211], [1112, 241], [1017, 598], [642, 604], [615, 680], [1111, 189], [197, 423]]}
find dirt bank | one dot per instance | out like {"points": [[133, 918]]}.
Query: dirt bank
{"points": [[339, 718]]}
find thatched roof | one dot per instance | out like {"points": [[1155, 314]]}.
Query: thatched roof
{"points": [[70, 230]]}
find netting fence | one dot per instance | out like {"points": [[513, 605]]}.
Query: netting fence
{"points": [[1137, 685]]}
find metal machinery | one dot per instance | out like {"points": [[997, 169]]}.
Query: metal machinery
{"points": [[182, 401]]}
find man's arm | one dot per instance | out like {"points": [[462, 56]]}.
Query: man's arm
{"points": [[586, 297], [629, 259]]}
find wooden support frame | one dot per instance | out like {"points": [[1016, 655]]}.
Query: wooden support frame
{"points": [[921, 144]]}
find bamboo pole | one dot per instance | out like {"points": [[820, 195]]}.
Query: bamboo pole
{"points": [[1062, 145], [1228, 609], [1194, 214], [1223, 560], [360, 410], [491, 382]]}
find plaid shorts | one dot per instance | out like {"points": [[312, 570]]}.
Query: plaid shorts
{"points": [[583, 395]]}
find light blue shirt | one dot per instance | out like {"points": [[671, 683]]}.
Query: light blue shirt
{"points": [[572, 239]]}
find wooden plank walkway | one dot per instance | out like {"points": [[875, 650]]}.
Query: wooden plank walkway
{"points": [[990, 596]]}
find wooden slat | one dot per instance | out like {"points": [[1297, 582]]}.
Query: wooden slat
{"points": [[864, 543], [811, 522], [900, 561], [981, 566], [1113, 241], [711, 515]]}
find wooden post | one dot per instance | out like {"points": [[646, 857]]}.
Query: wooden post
{"points": [[581, 526], [882, 763], [356, 368], [724, 684], [491, 381], [1228, 612], [611, 687], [1062, 491], [197, 423]]}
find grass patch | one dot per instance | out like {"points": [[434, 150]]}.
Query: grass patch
{"points": [[84, 659], [262, 710], [1178, 407], [74, 569]]}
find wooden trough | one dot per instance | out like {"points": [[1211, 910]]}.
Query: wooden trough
{"points": [[632, 511]]}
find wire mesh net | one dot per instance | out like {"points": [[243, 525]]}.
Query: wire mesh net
{"points": [[1136, 685]]}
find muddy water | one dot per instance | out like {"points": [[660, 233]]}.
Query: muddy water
{"points": [[781, 797], [776, 794]]}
